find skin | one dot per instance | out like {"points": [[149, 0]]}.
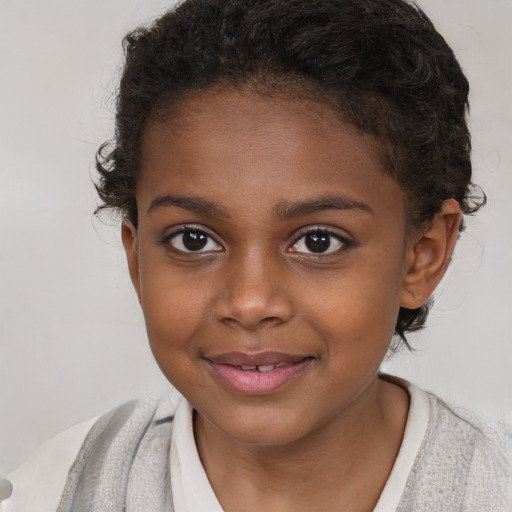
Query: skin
{"points": [[327, 439]]}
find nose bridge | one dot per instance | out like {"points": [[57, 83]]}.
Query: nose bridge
{"points": [[255, 290]]}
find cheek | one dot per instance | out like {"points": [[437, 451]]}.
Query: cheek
{"points": [[174, 306], [358, 307], [174, 312]]}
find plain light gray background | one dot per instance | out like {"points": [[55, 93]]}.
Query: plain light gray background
{"points": [[72, 340]]}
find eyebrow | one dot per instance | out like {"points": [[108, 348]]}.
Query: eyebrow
{"points": [[286, 210], [192, 204]]}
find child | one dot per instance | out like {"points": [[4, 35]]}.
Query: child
{"points": [[292, 176]]}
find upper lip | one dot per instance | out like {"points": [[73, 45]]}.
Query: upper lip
{"points": [[260, 359]]}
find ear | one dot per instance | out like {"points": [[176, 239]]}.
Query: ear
{"points": [[131, 247], [429, 254]]}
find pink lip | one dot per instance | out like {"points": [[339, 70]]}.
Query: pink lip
{"points": [[228, 367]]}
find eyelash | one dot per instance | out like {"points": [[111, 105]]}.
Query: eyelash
{"points": [[168, 239], [345, 244]]}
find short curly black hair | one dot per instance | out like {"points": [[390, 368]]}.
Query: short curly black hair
{"points": [[381, 64]]}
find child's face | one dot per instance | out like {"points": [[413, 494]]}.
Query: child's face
{"points": [[268, 235]]}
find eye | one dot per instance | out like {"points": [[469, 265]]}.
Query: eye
{"points": [[319, 241], [192, 240]]}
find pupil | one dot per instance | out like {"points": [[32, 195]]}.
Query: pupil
{"points": [[318, 242], [194, 240]]}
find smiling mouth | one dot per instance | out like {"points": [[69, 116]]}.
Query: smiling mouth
{"points": [[257, 374]]}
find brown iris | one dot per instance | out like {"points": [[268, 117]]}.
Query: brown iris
{"points": [[194, 240], [318, 242]]}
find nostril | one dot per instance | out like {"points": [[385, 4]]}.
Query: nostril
{"points": [[271, 320]]}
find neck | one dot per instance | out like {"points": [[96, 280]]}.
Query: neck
{"points": [[343, 465]]}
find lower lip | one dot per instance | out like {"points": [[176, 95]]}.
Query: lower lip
{"points": [[254, 382]]}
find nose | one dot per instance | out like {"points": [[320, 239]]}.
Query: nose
{"points": [[254, 293]]}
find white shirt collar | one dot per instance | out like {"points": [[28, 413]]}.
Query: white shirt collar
{"points": [[418, 420], [190, 487]]}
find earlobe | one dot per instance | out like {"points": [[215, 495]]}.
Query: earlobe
{"points": [[130, 243], [429, 255]]}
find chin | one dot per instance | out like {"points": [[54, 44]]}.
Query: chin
{"points": [[263, 429]]}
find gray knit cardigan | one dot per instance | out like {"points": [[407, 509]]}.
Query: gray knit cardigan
{"points": [[123, 465]]}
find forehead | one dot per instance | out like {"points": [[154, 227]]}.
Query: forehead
{"points": [[273, 148]]}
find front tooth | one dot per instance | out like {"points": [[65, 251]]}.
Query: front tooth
{"points": [[266, 368], [246, 368]]}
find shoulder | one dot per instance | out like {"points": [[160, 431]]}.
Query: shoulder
{"points": [[463, 461], [37, 485], [40, 483], [486, 444]]}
